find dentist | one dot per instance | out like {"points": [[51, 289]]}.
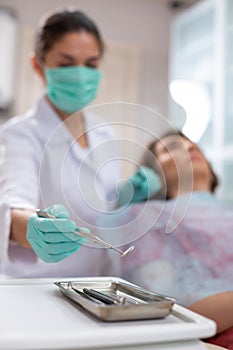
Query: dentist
{"points": [[57, 153]]}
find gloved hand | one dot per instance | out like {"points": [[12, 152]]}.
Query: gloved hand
{"points": [[141, 186], [52, 239]]}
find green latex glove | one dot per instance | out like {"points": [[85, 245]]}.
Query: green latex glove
{"points": [[144, 184], [52, 239]]}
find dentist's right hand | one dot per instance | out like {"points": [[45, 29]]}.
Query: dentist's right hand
{"points": [[53, 239]]}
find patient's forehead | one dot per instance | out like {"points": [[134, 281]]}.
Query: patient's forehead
{"points": [[169, 142]]}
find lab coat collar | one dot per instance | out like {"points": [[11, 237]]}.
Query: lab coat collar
{"points": [[54, 129]]}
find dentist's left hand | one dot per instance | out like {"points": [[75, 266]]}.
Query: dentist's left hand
{"points": [[52, 239]]}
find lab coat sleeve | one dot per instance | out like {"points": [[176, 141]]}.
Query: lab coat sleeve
{"points": [[5, 215], [18, 178], [19, 164]]}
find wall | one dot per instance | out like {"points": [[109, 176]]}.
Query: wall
{"points": [[141, 22], [137, 35]]}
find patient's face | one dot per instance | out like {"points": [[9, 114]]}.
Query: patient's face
{"points": [[182, 162]]}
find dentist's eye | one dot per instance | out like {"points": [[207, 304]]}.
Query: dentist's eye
{"points": [[91, 66], [65, 65]]}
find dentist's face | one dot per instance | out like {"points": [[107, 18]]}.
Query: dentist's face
{"points": [[68, 68], [181, 161], [72, 49]]}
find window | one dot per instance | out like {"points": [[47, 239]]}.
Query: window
{"points": [[201, 81]]}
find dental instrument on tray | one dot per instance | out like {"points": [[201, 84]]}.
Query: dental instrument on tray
{"points": [[86, 296], [84, 233], [105, 298]]}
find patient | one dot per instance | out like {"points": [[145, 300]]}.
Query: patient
{"points": [[188, 251]]}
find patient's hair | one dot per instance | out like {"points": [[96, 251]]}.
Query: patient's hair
{"points": [[149, 159]]}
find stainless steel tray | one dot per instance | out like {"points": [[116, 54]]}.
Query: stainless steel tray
{"points": [[139, 303]]}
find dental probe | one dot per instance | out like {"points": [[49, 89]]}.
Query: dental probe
{"points": [[83, 232]]}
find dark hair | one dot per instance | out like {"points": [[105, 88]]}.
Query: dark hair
{"points": [[150, 157], [61, 23]]}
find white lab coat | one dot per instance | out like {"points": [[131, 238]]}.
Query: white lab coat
{"points": [[41, 165]]}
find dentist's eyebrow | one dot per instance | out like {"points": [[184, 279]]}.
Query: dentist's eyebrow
{"points": [[66, 56], [94, 58], [72, 58]]}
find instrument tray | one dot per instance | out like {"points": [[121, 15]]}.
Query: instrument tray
{"points": [[138, 303]]}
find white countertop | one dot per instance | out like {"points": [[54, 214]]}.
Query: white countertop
{"points": [[35, 315]]}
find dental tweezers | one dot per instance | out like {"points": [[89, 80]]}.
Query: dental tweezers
{"points": [[105, 298], [84, 233]]}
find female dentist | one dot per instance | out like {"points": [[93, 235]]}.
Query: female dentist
{"points": [[56, 153]]}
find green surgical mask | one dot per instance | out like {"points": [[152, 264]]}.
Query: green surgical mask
{"points": [[72, 88]]}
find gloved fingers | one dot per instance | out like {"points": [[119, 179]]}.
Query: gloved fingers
{"points": [[136, 179], [75, 237], [149, 173], [144, 184], [55, 248], [153, 180], [59, 211], [51, 258], [62, 237], [82, 229], [125, 194], [51, 225], [142, 175], [57, 237], [150, 182]]}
